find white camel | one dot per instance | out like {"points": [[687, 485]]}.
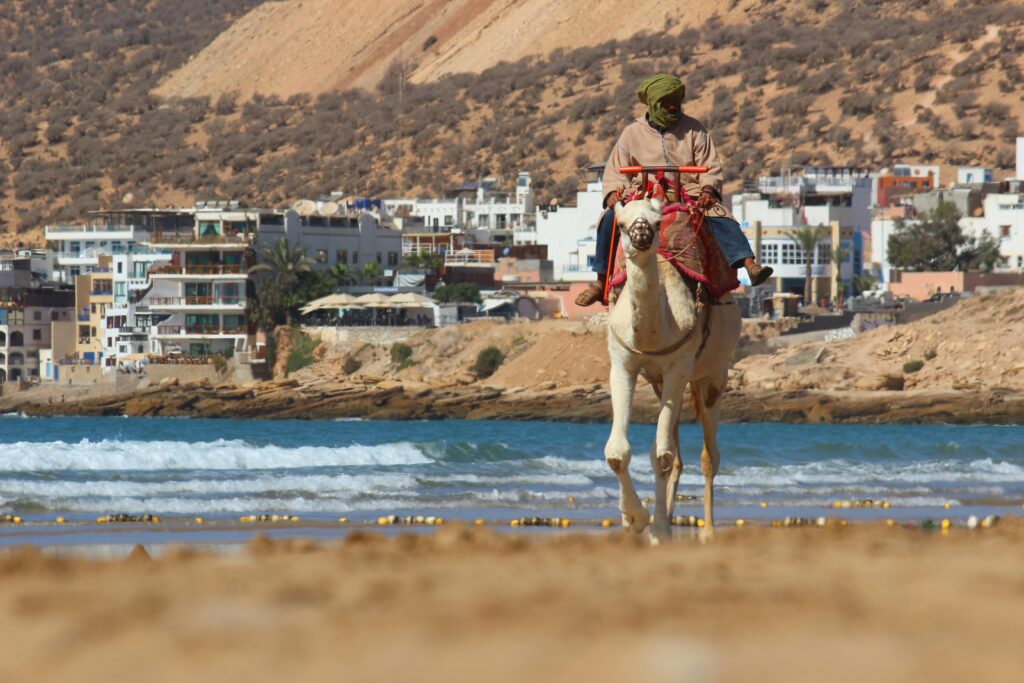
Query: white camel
{"points": [[654, 327]]}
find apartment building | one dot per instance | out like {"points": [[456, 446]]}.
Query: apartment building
{"points": [[198, 298], [26, 318]]}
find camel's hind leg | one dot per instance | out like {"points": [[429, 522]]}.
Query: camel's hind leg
{"points": [[706, 394], [617, 451]]}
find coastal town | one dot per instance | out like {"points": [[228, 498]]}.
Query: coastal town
{"points": [[160, 291]]}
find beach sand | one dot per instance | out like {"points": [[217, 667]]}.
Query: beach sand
{"points": [[855, 603]]}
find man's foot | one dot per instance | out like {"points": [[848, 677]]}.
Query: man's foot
{"points": [[591, 295], [758, 274]]}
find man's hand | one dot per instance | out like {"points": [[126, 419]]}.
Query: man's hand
{"points": [[707, 199], [613, 196]]}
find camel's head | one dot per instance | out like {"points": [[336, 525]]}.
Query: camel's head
{"points": [[638, 221]]}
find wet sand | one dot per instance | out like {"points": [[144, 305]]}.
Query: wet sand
{"points": [[854, 603]]}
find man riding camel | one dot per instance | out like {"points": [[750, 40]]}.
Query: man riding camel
{"points": [[665, 136]]}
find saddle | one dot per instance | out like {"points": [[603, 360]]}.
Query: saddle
{"points": [[688, 243]]}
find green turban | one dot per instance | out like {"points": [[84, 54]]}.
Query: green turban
{"points": [[656, 88]]}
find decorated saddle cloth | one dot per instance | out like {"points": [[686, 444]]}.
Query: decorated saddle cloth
{"points": [[688, 243]]}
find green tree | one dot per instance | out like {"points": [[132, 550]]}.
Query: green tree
{"points": [[936, 242], [863, 283], [372, 273], [342, 274], [283, 262], [464, 292], [807, 238], [289, 283]]}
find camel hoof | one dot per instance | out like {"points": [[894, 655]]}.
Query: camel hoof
{"points": [[636, 523], [660, 534], [706, 535]]}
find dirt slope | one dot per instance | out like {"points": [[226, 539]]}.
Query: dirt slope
{"points": [[972, 345], [313, 46]]}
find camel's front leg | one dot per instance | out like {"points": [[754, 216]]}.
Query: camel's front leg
{"points": [[665, 457], [617, 452], [706, 399]]}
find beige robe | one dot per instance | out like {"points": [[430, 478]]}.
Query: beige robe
{"points": [[688, 144]]}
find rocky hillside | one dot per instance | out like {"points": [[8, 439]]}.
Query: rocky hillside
{"points": [[962, 348], [86, 124]]}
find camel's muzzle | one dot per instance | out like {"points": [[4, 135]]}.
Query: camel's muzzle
{"points": [[640, 234]]}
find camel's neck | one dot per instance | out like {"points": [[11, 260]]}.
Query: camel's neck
{"points": [[646, 300]]}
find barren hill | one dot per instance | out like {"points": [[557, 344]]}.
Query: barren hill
{"points": [[314, 46]]}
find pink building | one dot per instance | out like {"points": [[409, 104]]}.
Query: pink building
{"points": [[921, 286]]}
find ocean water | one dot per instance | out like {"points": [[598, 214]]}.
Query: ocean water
{"points": [[83, 467]]}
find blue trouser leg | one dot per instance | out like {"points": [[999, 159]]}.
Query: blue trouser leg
{"points": [[604, 236], [731, 240]]}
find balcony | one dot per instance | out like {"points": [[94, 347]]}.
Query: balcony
{"points": [[199, 330], [196, 301], [83, 317], [202, 270], [189, 239], [102, 292], [470, 257]]}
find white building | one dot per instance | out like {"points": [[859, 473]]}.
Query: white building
{"points": [[480, 208], [1004, 221], [973, 175], [128, 319], [808, 196], [570, 233], [108, 233], [198, 298], [334, 235]]}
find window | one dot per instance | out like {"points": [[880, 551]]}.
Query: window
{"points": [[54, 315], [1004, 231], [392, 258], [92, 308], [792, 254], [355, 257], [120, 267], [449, 221], [321, 256], [769, 253], [92, 331], [37, 335], [380, 257], [824, 253], [341, 256], [37, 315], [17, 339]]}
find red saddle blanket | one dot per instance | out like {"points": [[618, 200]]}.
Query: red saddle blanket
{"points": [[689, 245]]}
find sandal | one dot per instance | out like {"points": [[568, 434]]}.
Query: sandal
{"points": [[591, 295]]}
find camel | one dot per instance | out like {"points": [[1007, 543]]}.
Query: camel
{"points": [[656, 327]]}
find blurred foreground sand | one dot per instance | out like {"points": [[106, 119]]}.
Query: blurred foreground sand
{"points": [[864, 602]]}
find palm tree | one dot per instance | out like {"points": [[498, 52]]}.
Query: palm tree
{"points": [[284, 262], [838, 255], [863, 283], [372, 273], [807, 239], [342, 274]]}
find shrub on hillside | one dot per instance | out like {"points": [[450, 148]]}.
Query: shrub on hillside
{"points": [[488, 361], [302, 352], [912, 366], [400, 353]]}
